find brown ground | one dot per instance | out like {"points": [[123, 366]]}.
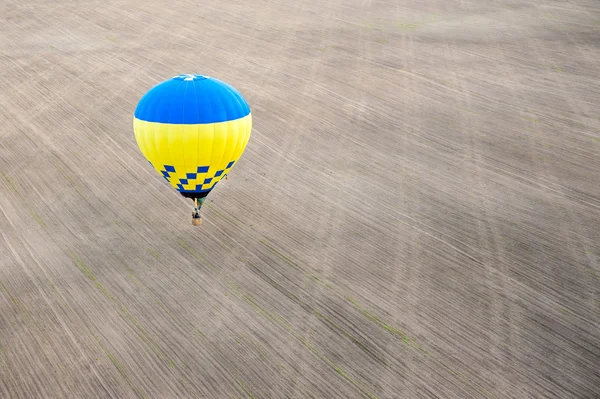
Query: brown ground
{"points": [[417, 213]]}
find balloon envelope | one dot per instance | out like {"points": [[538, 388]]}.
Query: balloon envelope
{"points": [[192, 129]]}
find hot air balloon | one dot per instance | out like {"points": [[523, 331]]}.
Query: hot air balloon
{"points": [[192, 129]]}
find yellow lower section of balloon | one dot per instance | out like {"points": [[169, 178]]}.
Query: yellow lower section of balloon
{"points": [[193, 157]]}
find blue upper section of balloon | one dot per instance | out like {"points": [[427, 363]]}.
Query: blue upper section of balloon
{"points": [[191, 99]]}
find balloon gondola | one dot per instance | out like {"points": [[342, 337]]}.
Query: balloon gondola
{"points": [[192, 129]]}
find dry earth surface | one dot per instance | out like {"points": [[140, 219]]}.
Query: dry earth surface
{"points": [[417, 214]]}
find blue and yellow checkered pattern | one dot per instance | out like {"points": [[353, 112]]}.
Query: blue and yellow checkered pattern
{"points": [[194, 182]]}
